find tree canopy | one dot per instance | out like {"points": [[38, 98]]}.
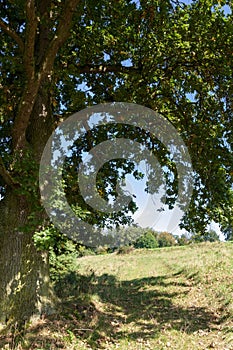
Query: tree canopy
{"points": [[172, 57]]}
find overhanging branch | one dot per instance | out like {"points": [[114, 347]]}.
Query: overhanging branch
{"points": [[8, 30]]}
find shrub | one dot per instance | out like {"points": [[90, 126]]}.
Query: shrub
{"points": [[166, 239], [101, 250], [84, 251], [126, 249], [61, 264], [147, 240], [183, 240]]}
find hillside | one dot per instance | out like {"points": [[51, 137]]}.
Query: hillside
{"points": [[169, 298]]}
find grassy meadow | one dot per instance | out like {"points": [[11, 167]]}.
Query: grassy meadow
{"points": [[167, 298]]}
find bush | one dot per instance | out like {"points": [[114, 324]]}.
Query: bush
{"points": [[101, 250], [126, 249], [63, 263], [183, 240], [166, 239], [147, 240]]}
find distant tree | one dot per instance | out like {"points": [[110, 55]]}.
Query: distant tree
{"points": [[166, 239], [208, 236], [128, 235], [182, 240], [124, 235], [212, 236], [147, 240], [228, 233]]}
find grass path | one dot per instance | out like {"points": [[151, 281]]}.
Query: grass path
{"points": [[170, 298]]}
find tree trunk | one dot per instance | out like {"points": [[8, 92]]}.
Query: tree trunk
{"points": [[24, 272]]}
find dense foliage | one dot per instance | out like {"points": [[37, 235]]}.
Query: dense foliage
{"points": [[169, 56], [147, 240]]}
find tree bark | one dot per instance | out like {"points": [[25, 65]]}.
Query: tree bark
{"points": [[25, 290], [24, 273]]}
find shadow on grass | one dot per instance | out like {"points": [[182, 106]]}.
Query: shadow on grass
{"points": [[139, 308], [146, 306]]}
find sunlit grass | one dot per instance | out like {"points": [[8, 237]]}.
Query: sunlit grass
{"points": [[168, 298]]}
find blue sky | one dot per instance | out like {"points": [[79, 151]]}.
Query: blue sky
{"points": [[148, 215]]}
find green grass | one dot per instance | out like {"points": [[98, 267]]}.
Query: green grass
{"points": [[168, 298]]}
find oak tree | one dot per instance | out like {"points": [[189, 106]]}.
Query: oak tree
{"points": [[58, 57]]}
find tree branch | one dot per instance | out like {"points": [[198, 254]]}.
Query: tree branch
{"points": [[46, 68], [23, 115], [6, 175], [88, 68], [60, 36], [12, 34], [31, 27]]}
